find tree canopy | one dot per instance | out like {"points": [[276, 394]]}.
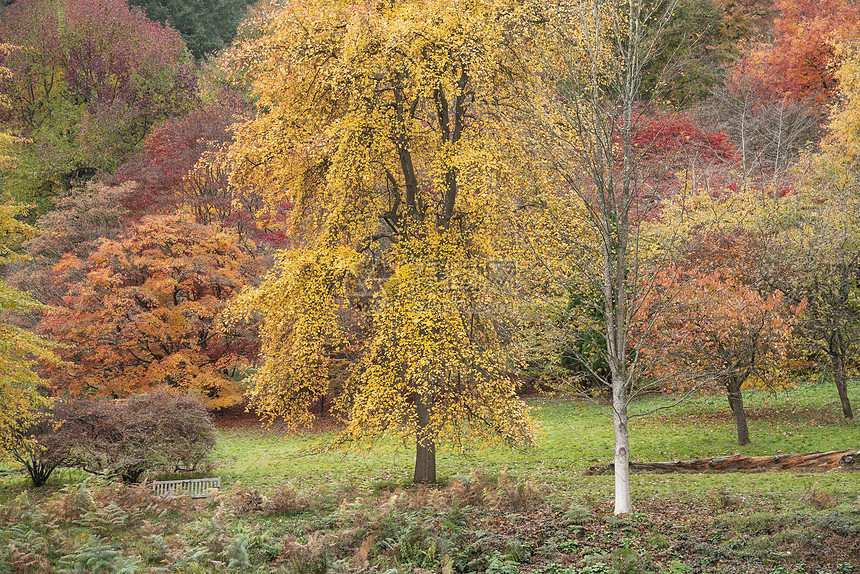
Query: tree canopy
{"points": [[142, 311], [205, 25], [373, 122]]}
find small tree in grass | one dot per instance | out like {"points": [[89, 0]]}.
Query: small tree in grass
{"points": [[46, 441], [708, 327]]}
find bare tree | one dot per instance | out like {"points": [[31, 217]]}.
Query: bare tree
{"points": [[581, 122], [770, 132]]}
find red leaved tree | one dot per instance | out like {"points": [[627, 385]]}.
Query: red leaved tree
{"points": [[183, 163], [146, 312], [674, 148], [799, 61], [707, 329], [172, 149]]}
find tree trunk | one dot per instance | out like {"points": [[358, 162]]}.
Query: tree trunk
{"points": [[736, 402], [837, 365], [38, 473], [602, 142], [623, 504], [425, 447]]}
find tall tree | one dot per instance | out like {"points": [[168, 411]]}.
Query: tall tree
{"points": [[817, 254], [589, 58], [372, 123], [21, 351]]}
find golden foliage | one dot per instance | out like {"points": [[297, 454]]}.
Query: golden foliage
{"points": [[373, 123], [438, 336], [301, 338], [21, 351]]}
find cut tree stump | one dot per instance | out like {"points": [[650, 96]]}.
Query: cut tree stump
{"points": [[820, 461]]}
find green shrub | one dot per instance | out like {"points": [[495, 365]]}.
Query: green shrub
{"points": [[576, 515]]}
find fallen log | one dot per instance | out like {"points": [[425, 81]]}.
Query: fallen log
{"points": [[817, 461]]}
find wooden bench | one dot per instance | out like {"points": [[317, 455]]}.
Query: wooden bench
{"points": [[193, 487]]}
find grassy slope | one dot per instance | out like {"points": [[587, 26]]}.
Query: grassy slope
{"points": [[502, 511]]}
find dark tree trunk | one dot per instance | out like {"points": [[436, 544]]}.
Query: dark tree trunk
{"points": [[837, 365], [39, 473], [736, 402], [425, 447]]}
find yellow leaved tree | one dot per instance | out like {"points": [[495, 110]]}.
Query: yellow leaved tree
{"points": [[20, 350], [373, 122]]}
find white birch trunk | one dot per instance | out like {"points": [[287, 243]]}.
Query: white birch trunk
{"points": [[623, 503]]}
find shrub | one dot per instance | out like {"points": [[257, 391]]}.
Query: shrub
{"points": [[147, 433], [247, 501]]}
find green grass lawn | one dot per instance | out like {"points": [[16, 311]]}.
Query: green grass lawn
{"points": [[288, 506], [575, 435]]}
